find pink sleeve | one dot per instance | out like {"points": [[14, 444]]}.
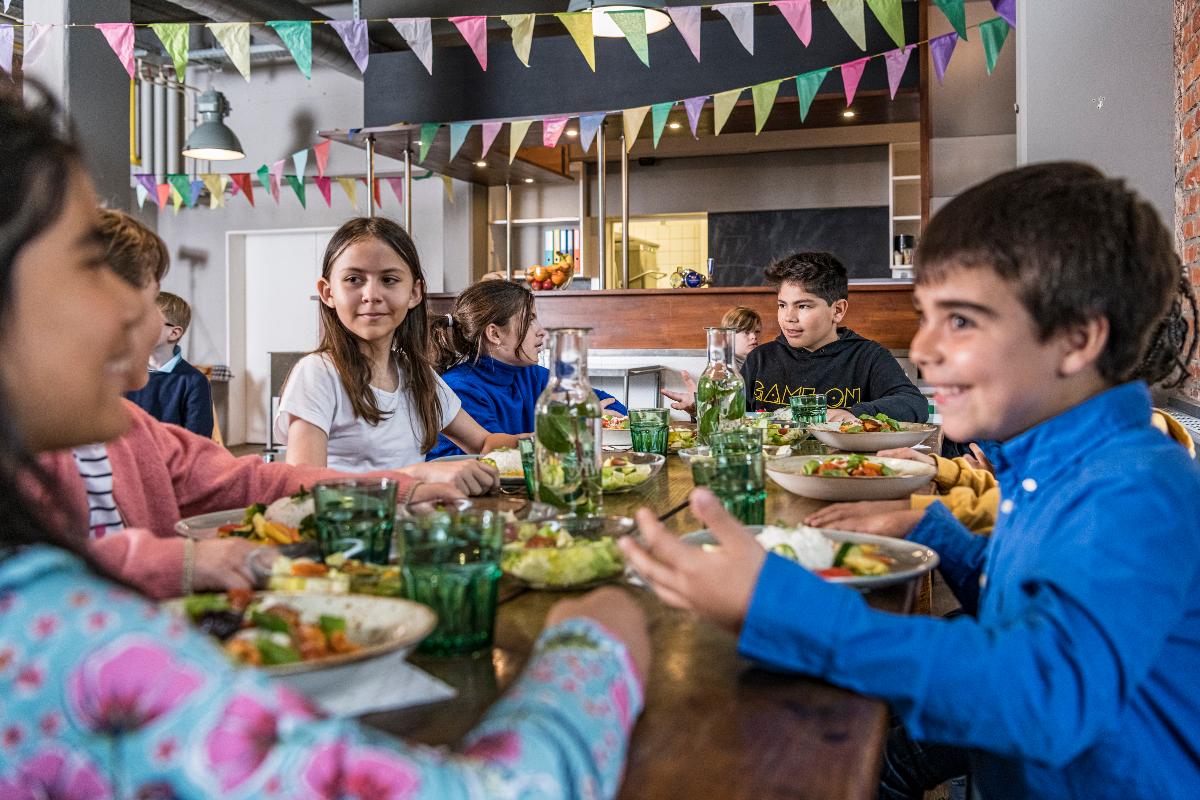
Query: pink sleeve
{"points": [[154, 564]]}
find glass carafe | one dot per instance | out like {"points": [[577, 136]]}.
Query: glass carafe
{"points": [[567, 421], [720, 392]]}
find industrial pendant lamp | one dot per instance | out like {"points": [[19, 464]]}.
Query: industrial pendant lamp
{"points": [[212, 140], [602, 24]]}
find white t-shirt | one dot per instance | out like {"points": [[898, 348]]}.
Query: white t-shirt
{"points": [[314, 393]]}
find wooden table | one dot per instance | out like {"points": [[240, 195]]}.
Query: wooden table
{"points": [[714, 725]]}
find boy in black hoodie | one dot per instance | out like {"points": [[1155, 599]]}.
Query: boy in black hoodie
{"points": [[813, 355]]}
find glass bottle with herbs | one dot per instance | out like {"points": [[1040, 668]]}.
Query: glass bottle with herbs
{"points": [[567, 428], [720, 392]]}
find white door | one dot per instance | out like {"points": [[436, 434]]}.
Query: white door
{"points": [[276, 312]]}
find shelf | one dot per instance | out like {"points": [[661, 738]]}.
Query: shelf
{"points": [[539, 221], [899, 178], [907, 218]]}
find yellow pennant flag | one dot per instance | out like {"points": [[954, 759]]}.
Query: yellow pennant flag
{"points": [[633, 119], [723, 104], [522, 33], [235, 38], [579, 25], [176, 198], [216, 188], [448, 185], [174, 36], [517, 131], [350, 188]]}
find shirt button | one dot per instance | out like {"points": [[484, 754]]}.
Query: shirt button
{"points": [[1029, 485], [983, 581], [1006, 507]]}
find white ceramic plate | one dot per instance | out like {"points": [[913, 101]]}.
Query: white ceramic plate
{"points": [[789, 473], [912, 559], [910, 434], [616, 438], [377, 624], [651, 460], [204, 526], [510, 480]]}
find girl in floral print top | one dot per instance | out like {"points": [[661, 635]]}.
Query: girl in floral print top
{"points": [[102, 695]]}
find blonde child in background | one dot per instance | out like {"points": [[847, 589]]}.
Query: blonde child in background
{"points": [[749, 325]]}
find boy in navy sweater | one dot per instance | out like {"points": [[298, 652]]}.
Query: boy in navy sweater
{"points": [[177, 393]]}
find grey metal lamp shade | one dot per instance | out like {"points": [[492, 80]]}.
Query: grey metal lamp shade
{"points": [[212, 140], [602, 25]]}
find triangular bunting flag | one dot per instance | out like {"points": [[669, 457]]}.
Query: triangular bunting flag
{"points": [[36, 37], [579, 25], [798, 14], [588, 125], [276, 178], [850, 15], [297, 184], [658, 118], [1007, 9], [448, 188], [764, 99], [851, 75], [174, 36], [183, 185], [354, 36], [297, 38], [897, 62], [807, 86], [324, 185], [891, 17], [176, 198], [474, 30], [234, 37], [242, 181], [490, 129], [954, 11], [141, 196], [694, 105], [993, 32], [633, 25], [119, 36], [146, 181], [196, 187], [418, 35], [942, 48], [397, 185], [163, 192], [264, 177], [216, 189], [321, 151], [723, 103], [300, 161], [428, 134], [633, 119], [516, 135], [351, 190], [6, 48], [687, 22], [458, 134], [522, 34], [552, 129], [741, 19]]}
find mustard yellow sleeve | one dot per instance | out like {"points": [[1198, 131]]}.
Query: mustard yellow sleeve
{"points": [[956, 472], [975, 511]]}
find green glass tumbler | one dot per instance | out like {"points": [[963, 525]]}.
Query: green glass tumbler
{"points": [[355, 516], [649, 429], [738, 479], [808, 409], [527, 466]]}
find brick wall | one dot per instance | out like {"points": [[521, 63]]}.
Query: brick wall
{"points": [[1187, 151]]}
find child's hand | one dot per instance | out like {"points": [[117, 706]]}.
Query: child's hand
{"points": [[604, 405], [977, 460], [469, 476], [222, 564], [897, 523], [839, 415], [436, 491], [908, 454], [716, 585], [685, 400], [833, 516]]}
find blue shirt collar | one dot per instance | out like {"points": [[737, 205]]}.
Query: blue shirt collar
{"points": [[495, 372], [174, 362]]}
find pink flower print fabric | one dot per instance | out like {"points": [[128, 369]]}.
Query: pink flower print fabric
{"points": [[129, 684], [55, 775]]}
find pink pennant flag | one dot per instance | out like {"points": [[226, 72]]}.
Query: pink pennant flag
{"points": [[35, 41], [798, 13], [941, 48], [694, 105], [354, 36], [474, 30], [324, 184], [397, 185], [897, 62], [552, 129], [851, 75], [687, 21], [276, 178], [490, 129], [321, 151], [120, 38], [163, 193]]}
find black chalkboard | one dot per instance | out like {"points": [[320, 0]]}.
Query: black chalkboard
{"points": [[743, 243]]}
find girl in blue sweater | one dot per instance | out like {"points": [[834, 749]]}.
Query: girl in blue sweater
{"points": [[486, 351]]}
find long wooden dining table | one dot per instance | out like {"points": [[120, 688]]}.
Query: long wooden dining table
{"points": [[714, 725]]}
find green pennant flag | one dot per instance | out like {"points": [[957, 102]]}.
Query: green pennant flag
{"points": [[522, 33], [297, 184], [954, 11], [264, 177], [428, 134], [764, 99], [807, 86], [633, 119], [297, 37], [633, 25], [723, 103], [579, 25], [458, 135], [174, 36], [891, 17], [658, 115], [993, 32], [516, 135], [850, 14], [183, 185]]}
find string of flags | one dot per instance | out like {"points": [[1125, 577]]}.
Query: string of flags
{"points": [[296, 35]]}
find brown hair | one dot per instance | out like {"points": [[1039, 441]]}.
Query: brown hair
{"points": [[134, 252], [175, 309], [817, 273], [409, 341], [741, 319], [458, 337]]}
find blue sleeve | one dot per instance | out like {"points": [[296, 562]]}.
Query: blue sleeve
{"points": [[961, 552], [616, 406], [1040, 684], [891, 391], [198, 406]]}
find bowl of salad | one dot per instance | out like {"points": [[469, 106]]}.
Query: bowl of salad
{"points": [[681, 437], [622, 471], [615, 431], [850, 477], [871, 433], [568, 552]]}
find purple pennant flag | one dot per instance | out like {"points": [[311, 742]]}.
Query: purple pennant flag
{"points": [[1006, 9], [354, 36], [150, 185], [942, 47], [693, 105], [687, 22], [897, 62], [588, 125], [196, 187]]}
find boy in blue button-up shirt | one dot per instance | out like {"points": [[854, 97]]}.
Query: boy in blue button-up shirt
{"points": [[1075, 675]]}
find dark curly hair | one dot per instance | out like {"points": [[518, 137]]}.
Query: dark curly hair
{"points": [[818, 273]]}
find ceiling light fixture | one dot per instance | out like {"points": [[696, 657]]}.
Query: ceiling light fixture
{"points": [[481, 163], [602, 24], [529, 180], [674, 126], [212, 140], [848, 114], [572, 132]]}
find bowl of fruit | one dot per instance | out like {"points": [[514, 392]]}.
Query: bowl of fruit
{"points": [[555, 276]]}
